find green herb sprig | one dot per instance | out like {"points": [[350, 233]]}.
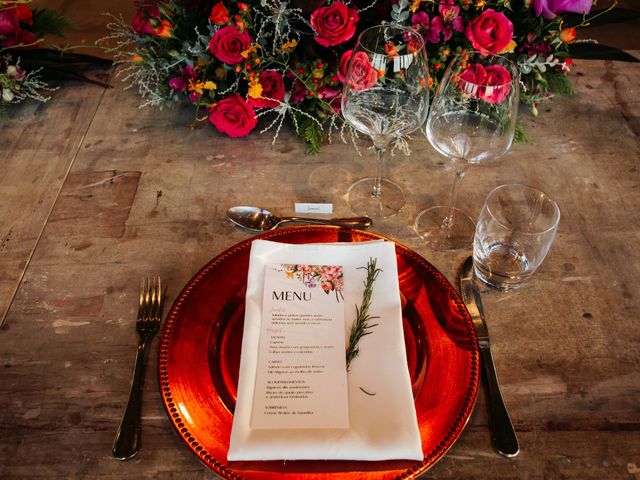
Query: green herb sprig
{"points": [[361, 325]]}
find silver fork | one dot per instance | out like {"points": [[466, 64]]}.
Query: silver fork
{"points": [[127, 442]]}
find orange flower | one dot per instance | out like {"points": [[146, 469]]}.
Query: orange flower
{"points": [[239, 22], [165, 29], [567, 35], [136, 58], [413, 46], [390, 50]]}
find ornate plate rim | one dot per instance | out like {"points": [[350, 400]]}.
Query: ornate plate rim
{"points": [[430, 458]]}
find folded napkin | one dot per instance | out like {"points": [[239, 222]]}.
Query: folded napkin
{"points": [[382, 426]]}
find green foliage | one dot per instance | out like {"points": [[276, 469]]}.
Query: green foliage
{"points": [[559, 83], [311, 132], [51, 22], [521, 136]]}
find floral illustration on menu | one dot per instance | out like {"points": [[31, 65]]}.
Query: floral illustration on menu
{"points": [[329, 278]]}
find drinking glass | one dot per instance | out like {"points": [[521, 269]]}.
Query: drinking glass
{"points": [[385, 96], [472, 120], [515, 230]]}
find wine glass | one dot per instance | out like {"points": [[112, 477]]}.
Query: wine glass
{"points": [[385, 96], [472, 120]]}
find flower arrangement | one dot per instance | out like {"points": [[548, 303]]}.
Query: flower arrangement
{"points": [[238, 61], [329, 278], [23, 29]]}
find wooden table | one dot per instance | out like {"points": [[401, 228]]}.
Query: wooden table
{"points": [[97, 193]]}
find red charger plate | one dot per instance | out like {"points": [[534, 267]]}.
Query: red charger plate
{"points": [[199, 362]]}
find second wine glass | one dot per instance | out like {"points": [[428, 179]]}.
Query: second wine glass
{"points": [[385, 96], [472, 120]]}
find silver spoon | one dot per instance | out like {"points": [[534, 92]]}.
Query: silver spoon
{"points": [[260, 220]]}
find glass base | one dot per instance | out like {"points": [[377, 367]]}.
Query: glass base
{"points": [[502, 267], [362, 201], [432, 227]]}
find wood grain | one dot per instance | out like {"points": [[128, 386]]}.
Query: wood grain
{"points": [[39, 145]]}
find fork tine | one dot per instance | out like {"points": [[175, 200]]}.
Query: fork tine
{"points": [[141, 303], [159, 298], [154, 300]]}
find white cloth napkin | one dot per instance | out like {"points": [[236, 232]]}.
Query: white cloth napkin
{"points": [[381, 427]]}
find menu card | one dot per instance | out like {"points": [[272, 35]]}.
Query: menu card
{"points": [[301, 378], [382, 416]]}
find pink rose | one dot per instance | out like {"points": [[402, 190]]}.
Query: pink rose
{"points": [[272, 90], [228, 43], [550, 8], [9, 22], [344, 65], [334, 24], [491, 32], [491, 83], [233, 116], [298, 92], [361, 73]]}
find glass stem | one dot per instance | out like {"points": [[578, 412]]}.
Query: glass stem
{"points": [[377, 183], [461, 167]]}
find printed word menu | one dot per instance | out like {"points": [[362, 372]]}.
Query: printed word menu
{"points": [[301, 379]]}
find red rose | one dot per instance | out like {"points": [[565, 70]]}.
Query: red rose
{"points": [[233, 116], [361, 73], [24, 14], [491, 83], [491, 32], [272, 90], [228, 43], [334, 24], [146, 20], [219, 14]]}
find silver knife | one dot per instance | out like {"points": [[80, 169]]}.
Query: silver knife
{"points": [[502, 433]]}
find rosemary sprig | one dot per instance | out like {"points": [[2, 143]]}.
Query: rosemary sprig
{"points": [[361, 325]]}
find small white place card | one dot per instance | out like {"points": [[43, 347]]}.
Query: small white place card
{"points": [[301, 378], [314, 207]]}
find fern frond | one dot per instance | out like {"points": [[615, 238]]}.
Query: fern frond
{"points": [[311, 132], [47, 21]]}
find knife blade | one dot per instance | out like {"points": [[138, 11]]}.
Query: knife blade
{"points": [[503, 434]]}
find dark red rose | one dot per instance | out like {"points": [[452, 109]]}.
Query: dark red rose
{"points": [[24, 14], [272, 90], [228, 43], [9, 22], [233, 116], [147, 20], [334, 24]]}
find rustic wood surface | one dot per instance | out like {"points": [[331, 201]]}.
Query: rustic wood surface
{"points": [[98, 193]]}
